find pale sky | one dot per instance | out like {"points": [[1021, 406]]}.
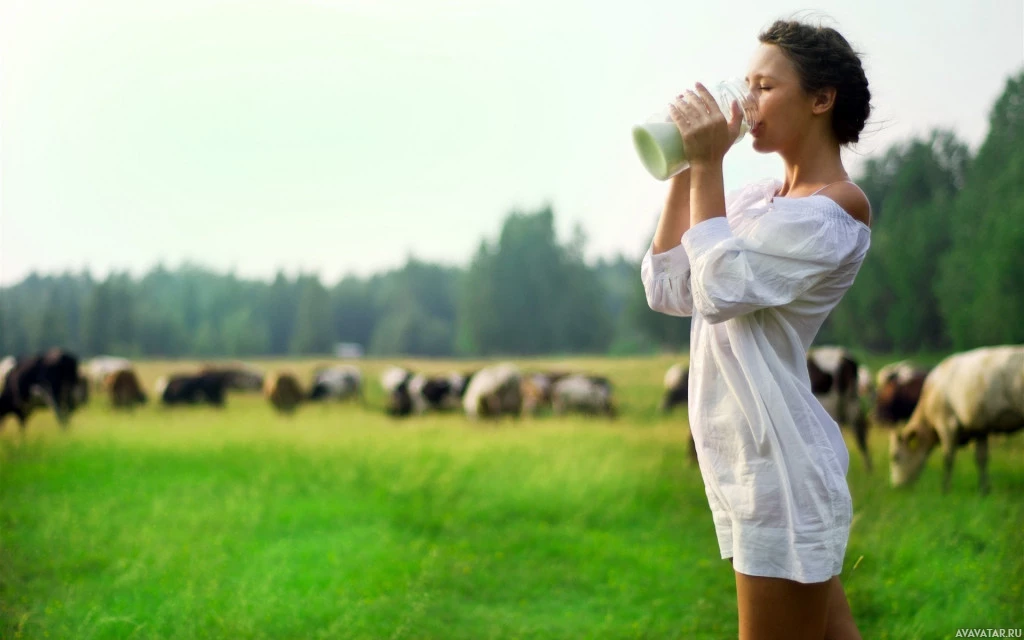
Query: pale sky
{"points": [[341, 136]]}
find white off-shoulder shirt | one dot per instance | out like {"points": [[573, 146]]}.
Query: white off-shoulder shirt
{"points": [[759, 283]]}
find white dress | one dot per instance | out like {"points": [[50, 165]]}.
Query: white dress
{"points": [[759, 283]]}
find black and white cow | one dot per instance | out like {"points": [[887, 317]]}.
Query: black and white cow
{"points": [[677, 380], [410, 393], [834, 381], [47, 380]]}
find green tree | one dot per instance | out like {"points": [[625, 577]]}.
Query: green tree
{"points": [[98, 336], [313, 330], [981, 278]]}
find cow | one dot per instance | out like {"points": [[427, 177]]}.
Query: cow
{"points": [[417, 393], [124, 389], [898, 389], [493, 391], [50, 379], [6, 365], [535, 389], [590, 395], [395, 382], [339, 383], [438, 393], [677, 381], [98, 369], [966, 397], [236, 378], [192, 389], [833, 372], [283, 391]]}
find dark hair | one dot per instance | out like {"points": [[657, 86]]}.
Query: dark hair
{"points": [[823, 58]]}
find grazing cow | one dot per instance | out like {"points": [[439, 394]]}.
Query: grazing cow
{"points": [[338, 383], [124, 389], [584, 394], [493, 391], [395, 382], [677, 381], [6, 365], [834, 374], [50, 379], [283, 392], [966, 397], [237, 378], [536, 390], [410, 392], [899, 388], [98, 369], [438, 393], [192, 389]]}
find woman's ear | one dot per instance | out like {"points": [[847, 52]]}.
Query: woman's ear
{"points": [[824, 100]]}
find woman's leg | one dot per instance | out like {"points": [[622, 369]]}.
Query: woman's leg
{"points": [[840, 619], [775, 608], [779, 609]]}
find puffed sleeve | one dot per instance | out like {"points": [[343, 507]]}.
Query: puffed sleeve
{"points": [[785, 254], [666, 278]]}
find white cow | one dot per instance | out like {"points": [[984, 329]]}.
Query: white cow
{"points": [[340, 382], [966, 397], [493, 391], [583, 394]]}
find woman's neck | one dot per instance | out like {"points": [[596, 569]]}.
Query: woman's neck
{"points": [[810, 167]]}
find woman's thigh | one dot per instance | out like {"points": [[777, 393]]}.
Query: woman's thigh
{"points": [[771, 608]]}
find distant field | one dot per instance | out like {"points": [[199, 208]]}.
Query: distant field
{"points": [[339, 522]]}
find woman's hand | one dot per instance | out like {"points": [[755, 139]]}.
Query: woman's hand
{"points": [[707, 135]]}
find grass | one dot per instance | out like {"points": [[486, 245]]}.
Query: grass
{"points": [[341, 523]]}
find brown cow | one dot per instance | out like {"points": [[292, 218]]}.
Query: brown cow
{"points": [[283, 391], [966, 397], [899, 389], [124, 389]]}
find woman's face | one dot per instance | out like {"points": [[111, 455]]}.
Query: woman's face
{"points": [[784, 108]]}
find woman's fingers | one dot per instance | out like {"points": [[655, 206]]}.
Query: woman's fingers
{"points": [[707, 100], [698, 101], [688, 109]]}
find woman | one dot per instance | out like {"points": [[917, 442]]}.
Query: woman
{"points": [[759, 272]]}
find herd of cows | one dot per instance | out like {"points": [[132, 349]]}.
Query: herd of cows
{"points": [[966, 398]]}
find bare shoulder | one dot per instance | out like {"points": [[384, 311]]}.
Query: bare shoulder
{"points": [[850, 197]]}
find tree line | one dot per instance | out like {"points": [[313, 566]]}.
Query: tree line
{"points": [[945, 271]]}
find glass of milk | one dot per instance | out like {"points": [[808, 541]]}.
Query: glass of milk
{"points": [[660, 145]]}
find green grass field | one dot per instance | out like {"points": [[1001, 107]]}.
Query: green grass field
{"points": [[339, 522]]}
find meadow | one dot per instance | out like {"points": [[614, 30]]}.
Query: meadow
{"points": [[340, 522]]}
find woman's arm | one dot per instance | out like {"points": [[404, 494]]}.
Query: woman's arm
{"points": [[675, 216], [707, 192]]}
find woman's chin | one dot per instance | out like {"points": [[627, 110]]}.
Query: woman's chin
{"points": [[759, 145]]}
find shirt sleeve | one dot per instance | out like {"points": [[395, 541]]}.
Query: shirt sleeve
{"points": [[666, 278], [784, 255]]}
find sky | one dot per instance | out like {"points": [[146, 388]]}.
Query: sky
{"points": [[344, 136]]}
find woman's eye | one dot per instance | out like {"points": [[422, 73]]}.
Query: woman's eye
{"points": [[765, 88]]}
